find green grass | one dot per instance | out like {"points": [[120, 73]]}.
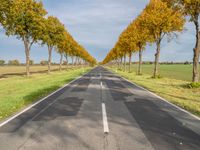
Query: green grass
{"points": [[175, 91], [18, 92], [180, 72]]}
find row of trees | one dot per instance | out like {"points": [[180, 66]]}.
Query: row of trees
{"points": [[160, 18], [28, 21], [15, 62], [10, 62]]}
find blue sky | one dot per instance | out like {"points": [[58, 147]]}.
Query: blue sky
{"points": [[96, 24]]}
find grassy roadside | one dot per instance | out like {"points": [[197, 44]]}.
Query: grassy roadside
{"points": [[18, 92], [171, 89]]}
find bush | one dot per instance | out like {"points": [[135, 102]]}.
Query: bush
{"points": [[65, 63], [2, 62], [157, 77], [187, 63], [43, 62], [31, 62], [14, 62], [194, 85]]}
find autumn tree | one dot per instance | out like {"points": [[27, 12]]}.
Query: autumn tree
{"points": [[161, 21], [3, 9], [63, 47], [67, 47], [52, 35], [192, 8], [139, 35], [124, 45], [24, 20]]}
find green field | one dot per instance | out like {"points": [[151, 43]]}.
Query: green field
{"points": [[168, 87], [17, 92], [180, 72]]}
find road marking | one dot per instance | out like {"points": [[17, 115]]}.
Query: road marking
{"points": [[105, 120], [104, 114], [31, 106]]}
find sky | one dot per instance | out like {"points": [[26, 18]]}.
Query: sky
{"points": [[97, 24]]}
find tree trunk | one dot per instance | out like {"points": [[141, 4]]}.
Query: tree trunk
{"points": [[75, 61], [49, 61], [124, 62], [61, 61], [79, 61], [130, 57], [72, 60], [118, 63], [27, 52], [66, 57], [157, 56], [140, 62], [121, 63], [196, 54]]}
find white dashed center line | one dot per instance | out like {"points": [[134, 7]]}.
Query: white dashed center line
{"points": [[105, 120], [104, 114]]}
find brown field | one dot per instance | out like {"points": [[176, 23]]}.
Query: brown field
{"points": [[8, 71]]}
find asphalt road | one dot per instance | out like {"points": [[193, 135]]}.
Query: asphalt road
{"points": [[102, 111]]}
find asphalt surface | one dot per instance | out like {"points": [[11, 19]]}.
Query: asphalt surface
{"points": [[71, 119]]}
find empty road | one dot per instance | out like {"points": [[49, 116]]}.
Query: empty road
{"points": [[101, 111]]}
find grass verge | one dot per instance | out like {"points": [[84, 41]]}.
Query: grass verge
{"points": [[173, 90], [18, 92]]}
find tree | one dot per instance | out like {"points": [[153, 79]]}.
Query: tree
{"points": [[139, 35], [2, 62], [43, 62], [192, 9], [24, 20], [63, 47], [14, 62], [53, 34], [3, 10], [161, 20], [31, 62], [124, 44]]}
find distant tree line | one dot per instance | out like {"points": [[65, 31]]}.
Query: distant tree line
{"points": [[18, 63]]}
